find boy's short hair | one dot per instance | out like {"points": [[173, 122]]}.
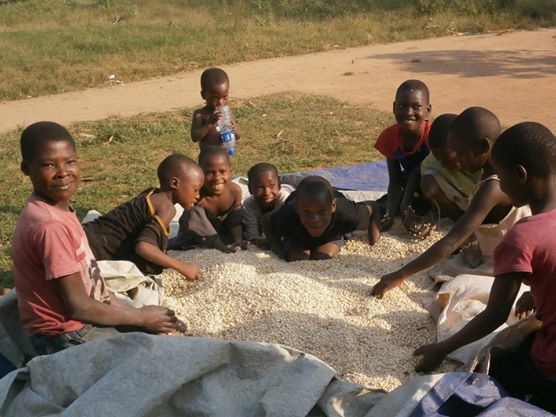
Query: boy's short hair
{"points": [[175, 165], [213, 76], [438, 134], [315, 188], [529, 144], [414, 85], [474, 124], [37, 134], [258, 169], [212, 151]]}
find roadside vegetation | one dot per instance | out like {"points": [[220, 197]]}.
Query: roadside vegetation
{"points": [[52, 46]]}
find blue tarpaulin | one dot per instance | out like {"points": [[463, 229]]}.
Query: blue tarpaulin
{"points": [[370, 176]]}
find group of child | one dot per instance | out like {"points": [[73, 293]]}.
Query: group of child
{"points": [[472, 174]]}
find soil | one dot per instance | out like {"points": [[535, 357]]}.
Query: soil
{"points": [[512, 74]]}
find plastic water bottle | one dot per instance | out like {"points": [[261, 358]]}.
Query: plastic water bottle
{"points": [[227, 135]]}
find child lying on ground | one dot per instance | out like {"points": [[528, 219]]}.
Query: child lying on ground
{"points": [[470, 137], [267, 195], [62, 299], [216, 222], [405, 145], [137, 231], [215, 87], [314, 220], [524, 157]]}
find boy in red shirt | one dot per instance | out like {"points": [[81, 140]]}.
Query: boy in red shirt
{"points": [[524, 158], [62, 298], [405, 145]]}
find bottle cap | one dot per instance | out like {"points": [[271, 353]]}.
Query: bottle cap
{"points": [[231, 151]]}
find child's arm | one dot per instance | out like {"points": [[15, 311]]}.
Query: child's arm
{"points": [[374, 226], [235, 128], [83, 308], [502, 296], [394, 193], [154, 255], [272, 236], [237, 230], [411, 187], [201, 125], [487, 197]]}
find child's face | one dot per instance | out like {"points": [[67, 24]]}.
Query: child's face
{"points": [[188, 188], [55, 172], [468, 156], [265, 189], [411, 109], [218, 173], [447, 158], [216, 95], [315, 215]]}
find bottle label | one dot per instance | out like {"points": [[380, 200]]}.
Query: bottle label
{"points": [[228, 136]]}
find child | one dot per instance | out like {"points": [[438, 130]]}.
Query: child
{"points": [[215, 86], [137, 231], [442, 181], [405, 145], [267, 195], [312, 223], [471, 137], [217, 220], [58, 285], [525, 159]]}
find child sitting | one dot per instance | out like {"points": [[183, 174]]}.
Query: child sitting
{"points": [[441, 179], [216, 221], [215, 86], [137, 231], [58, 285], [490, 213], [524, 157], [314, 220], [267, 195], [405, 145]]}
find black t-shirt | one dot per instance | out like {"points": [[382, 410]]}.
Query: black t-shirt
{"points": [[286, 224]]}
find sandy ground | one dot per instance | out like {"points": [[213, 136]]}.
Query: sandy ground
{"points": [[512, 73]]}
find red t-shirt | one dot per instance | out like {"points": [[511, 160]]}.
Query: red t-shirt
{"points": [[49, 243], [390, 141], [530, 246]]}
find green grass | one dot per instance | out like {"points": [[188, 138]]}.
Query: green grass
{"points": [[119, 156], [51, 46]]}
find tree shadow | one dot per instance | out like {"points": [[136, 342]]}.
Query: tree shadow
{"points": [[511, 63]]}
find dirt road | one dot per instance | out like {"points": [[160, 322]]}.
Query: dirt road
{"points": [[513, 74]]}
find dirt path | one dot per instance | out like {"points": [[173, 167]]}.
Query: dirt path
{"points": [[513, 74]]}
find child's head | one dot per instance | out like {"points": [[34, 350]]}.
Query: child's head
{"points": [[214, 87], [264, 184], [315, 204], [216, 166], [411, 106], [438, 138], [522, 155], [182, 177], [471, 137], [49, 158]]}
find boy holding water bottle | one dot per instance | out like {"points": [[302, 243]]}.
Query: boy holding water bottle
{"points": [[215, 86]]}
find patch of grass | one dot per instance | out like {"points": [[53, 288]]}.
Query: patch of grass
{"points": [[119, 157], [51, 46]]}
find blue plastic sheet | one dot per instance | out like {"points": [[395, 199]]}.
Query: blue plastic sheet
{"points": [[371, 176]]}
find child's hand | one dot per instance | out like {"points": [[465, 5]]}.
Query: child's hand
{"points": [[189, 270], [386, 283], [214, 117], [386, 222], [236, 131], [525, 305], [261, 244], [242, 244], [432, 357], [159, 320]]}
